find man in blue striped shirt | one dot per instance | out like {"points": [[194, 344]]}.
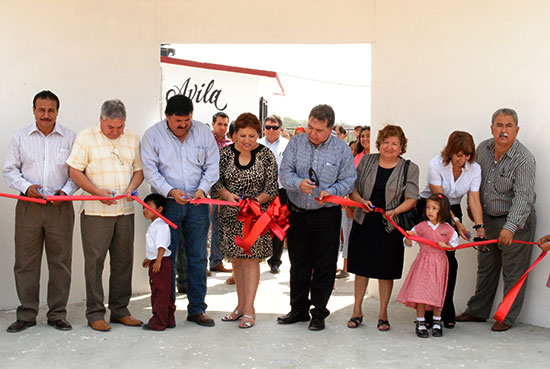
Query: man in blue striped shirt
{"points": [[508, 198], [35, 166], [181, 161], [314, 165]]}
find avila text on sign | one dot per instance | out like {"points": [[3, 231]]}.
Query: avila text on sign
{"points": [[198, 94]]}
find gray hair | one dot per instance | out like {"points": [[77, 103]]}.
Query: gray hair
{"points": [[113, 109], [505, 111]]}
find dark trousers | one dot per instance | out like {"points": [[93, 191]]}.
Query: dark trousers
{"points": [[275, 259], [512, 260], [99, 236], [163, 301], [313, 240], [37, 227]]}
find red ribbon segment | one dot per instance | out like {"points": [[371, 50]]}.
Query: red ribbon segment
{"points": [[510, 297], [23, 198]]}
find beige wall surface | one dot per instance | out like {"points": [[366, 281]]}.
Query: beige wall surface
{"points": [[440, 66], [437, 66]]}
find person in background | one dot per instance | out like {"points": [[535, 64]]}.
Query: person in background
{"points": [[363, 145], [356, 131], [272, 139], [299, 131]]}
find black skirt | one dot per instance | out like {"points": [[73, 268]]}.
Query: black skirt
{"points": [[374, 253]]}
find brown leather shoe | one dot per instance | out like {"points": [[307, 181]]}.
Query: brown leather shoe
{"points": [[500, 327], [60, 324], [100, 326], [465, 317], [221, 268], [20, 325], [128, 320], [201, 319]]}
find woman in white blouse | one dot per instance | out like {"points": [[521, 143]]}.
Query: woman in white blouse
{"points": [[455, 174]]}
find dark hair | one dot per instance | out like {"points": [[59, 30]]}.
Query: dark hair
{"points": [[341, 130], [323, 113], [275, 119], [156, 199], [231, 129], [359, 148], [248, 120], [218, 115], [179, 105], [459, 141], [45, 95], [505, 111], [444, 214], [392, 130]]}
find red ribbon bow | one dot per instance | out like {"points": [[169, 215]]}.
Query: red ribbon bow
{"points": [[257, 223]]}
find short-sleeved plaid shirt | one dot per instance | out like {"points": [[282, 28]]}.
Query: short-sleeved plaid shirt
{"points": [[108, 164]]}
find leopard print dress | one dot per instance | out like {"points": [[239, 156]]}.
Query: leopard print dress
{"points": [[258, 176]]}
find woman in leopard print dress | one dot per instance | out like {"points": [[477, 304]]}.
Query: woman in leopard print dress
{"points": [[247, 169]]}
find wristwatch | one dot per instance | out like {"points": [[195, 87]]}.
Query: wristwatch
{"points": [[478, 226], [456, 220]]}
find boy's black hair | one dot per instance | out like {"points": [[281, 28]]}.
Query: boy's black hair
{"points": [[157, 199]]}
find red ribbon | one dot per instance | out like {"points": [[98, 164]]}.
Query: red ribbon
{"points": [[256, 223], [23, 198], [510, 297]]}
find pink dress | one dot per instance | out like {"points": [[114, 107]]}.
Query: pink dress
{"points": [[426, 282]]}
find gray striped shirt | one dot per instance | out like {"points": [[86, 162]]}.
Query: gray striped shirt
{"points": [[507, 185], [37, 159]]}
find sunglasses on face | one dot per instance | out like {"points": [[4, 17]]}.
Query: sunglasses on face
{"points": [[271, 127]]}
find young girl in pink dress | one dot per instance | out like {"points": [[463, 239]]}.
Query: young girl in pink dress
{"points": [[425, 285]]}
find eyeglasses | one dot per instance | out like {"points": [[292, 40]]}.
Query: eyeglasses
{"points": [[313, 177], [272, 127], [114, 151]]}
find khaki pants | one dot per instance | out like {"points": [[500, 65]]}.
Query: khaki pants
{"points": [[513, 260], [37, 227], [99, 236]]}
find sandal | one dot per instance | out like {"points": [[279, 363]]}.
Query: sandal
{"points": [[382, 323], [231, 316], [355, 321], [449, 325], [247, 323]]}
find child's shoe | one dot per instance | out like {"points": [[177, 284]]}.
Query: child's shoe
{"points": [[421, 330], [437, 331]]}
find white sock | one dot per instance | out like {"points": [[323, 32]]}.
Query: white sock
{"points": [[421, 320], [437, 322]]}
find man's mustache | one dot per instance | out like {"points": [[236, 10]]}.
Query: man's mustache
{"points": [[503, 134]]}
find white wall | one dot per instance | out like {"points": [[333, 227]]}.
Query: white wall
{"points": [[440, 66], [437, 66]]}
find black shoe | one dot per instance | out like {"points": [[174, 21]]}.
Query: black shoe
{"points": [[292, 318], [182, 289], [275, 269], [60, 324], [20, 325], [421, 330], [437, 331], [316, 324]]}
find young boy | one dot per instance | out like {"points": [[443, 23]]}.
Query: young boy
{"points": [[157, 259]]}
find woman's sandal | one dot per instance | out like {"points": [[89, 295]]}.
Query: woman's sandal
{"points": [[449, 325], [233, 316], [355, 321], [381, 324], [247, 323]]}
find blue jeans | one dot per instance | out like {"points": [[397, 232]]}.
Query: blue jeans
{"points": [[216, 256], [193, 223]]}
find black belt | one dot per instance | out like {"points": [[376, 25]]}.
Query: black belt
{"points": [[298, 210]]}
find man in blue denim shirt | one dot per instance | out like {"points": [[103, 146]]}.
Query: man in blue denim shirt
{"points": [[181, 161], [314, 165]]}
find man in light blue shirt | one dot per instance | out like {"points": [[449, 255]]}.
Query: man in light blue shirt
{"points": [[35, 166], [181, 161], [314, 165], [273, 140]]}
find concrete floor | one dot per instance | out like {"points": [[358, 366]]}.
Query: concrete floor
{"points": [[267, 344]]}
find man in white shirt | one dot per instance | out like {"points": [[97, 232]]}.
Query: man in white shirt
{"points": [[272, 139], [35, 166]]}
